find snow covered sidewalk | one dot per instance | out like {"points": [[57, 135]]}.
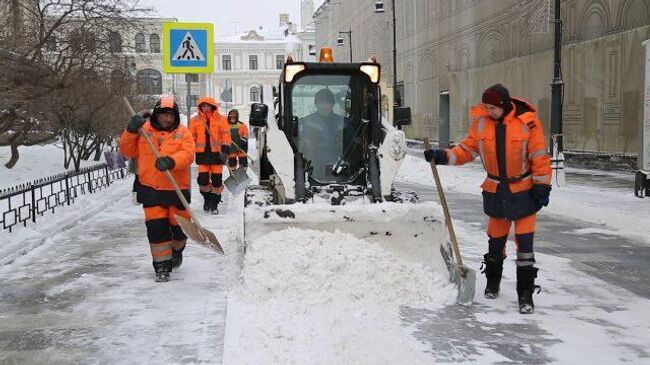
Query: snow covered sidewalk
{"points": [[87, 295]]}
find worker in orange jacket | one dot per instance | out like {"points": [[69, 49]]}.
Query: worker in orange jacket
{"points": [[239, 136], [154, 191], [508, 136], [213, 143]]}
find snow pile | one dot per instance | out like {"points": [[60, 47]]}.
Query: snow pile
{"points": [[306, 295]]}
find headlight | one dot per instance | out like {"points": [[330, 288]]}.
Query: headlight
{"points": [[372, 71], [290, 71]]}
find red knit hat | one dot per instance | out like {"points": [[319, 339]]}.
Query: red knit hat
{"points": [[496, 95]]}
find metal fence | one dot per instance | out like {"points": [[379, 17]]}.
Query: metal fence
{"points": [[23, 203]]}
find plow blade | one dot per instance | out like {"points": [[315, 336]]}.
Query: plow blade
{"points": [[414, 232]]}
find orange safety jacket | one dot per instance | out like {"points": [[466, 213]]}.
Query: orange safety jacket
{"points": [[507, 193], [213, 127], [154, 187]]}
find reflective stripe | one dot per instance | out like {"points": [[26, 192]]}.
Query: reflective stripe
{"points": [[545, 179], [481, 126], [524, 150], [525, 255], [524, 157], [522, 263], [452, 157], [538, 153], [472, 153], [491, 179]]}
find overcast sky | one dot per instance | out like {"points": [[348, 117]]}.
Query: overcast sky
{"points": [[228, 14]]}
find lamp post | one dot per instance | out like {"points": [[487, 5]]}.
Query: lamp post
{"points": [[556, 138], [379, 9], [339, 41]]}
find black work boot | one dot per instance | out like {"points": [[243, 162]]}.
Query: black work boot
{"points": [[526, 287], [177, 257], [163, 269], [493, 270], [206, 201], [214, 206]]}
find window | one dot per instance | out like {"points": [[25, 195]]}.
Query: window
{"points": [[117, 82], [149, 82], [226, 62], [140, 46], [154, 43], [50, 44], [194, 100], [279, 62], [255, 94], [252, 62], [326, 130], [226, 91], [115, 42]]}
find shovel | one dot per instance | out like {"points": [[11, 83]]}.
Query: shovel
{"points": [[191, 227], [238, 178], [461, 275]]}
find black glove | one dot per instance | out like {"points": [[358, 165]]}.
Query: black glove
{"points": [[541, 194], [438, 156], [137, 121], [165, 163]]}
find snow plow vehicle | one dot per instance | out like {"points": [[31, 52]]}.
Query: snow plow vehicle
{"points": [[327, 160]]}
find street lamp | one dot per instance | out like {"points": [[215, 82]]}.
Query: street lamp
{"points": [[379, 9], [339, 41]]}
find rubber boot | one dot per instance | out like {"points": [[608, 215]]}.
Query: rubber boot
{"points": [[526, 287], [215, 200], [493, 270], [206, 201], [177, 257], [163, 269]]}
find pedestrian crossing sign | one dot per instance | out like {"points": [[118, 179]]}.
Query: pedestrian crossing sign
{"points": [[188, 47]]}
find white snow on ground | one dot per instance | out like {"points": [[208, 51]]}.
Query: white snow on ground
{"points": [[584, 319], [311, 297], [617, 211], [35, 162], [24, 239]]}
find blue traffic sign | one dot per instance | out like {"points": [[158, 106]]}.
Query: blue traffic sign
{"points": [[188, 48]]}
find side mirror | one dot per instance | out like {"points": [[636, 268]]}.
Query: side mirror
{"points": [[402, 116], [275, 91], [258, 115]]}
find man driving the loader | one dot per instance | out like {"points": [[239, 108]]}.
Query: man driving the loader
{"points": [[322, 132]]}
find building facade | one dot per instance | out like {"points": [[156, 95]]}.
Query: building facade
{"points": [[448, 52], [246, 66]]}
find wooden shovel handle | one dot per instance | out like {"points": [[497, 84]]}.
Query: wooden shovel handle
{"points": [[445, 209], [169, 175]]}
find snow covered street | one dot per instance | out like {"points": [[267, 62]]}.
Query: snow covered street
{"points": [[86, 294]]}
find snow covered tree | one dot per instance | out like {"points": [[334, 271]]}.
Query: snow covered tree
{"points": [[46, 46]]}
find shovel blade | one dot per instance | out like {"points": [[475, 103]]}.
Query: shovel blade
{"points": [[237, 181], [199, 235], [466, 284]]}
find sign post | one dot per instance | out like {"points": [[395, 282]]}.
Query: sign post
{"points": [[188, 48], [642, 184]]}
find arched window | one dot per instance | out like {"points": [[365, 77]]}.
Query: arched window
{"points": [[255, 94], [140, 45], [149, 82], [154, 43], [115, 42]]}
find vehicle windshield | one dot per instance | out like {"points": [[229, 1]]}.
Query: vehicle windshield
{"points": [[322, 105]]}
